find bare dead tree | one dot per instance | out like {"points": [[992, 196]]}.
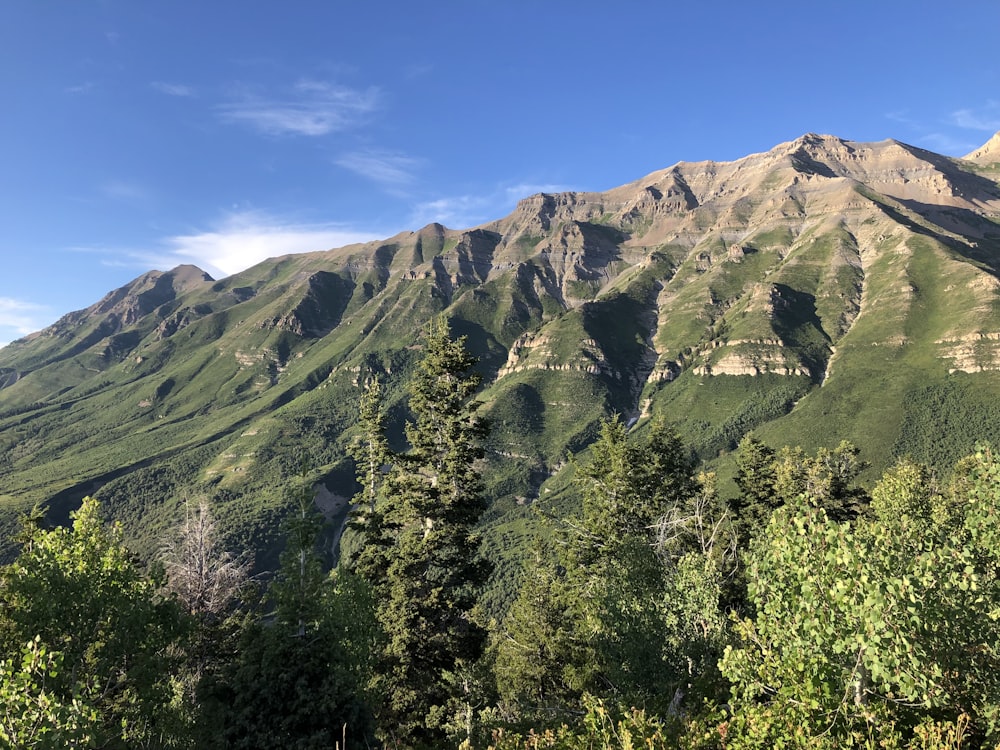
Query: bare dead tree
{"points": [[701, 524], [207, 579]]}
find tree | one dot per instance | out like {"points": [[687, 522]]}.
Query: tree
{"points": [[206, 579], [372, 456], [297, 590], [597, 618], [209, 584], [296, 679], [80, 594], [31, 714], [755, 478], [828, 479], [614, 579], [873, 631], [427, 512]]}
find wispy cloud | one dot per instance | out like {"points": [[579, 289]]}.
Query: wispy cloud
{"points": [[19, 318], [950, 134], [524, 189], [460, 211], [986, 117], [943, 143], [172, 89], [311, 108], [392, 170], [904, 118], [124, 191], [236, 242], [417, 70], [456, 212], [83, 88]]}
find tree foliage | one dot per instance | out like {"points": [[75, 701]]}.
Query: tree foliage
{"points": [[629, 583], [422, 560], [297, 678], [32, 715], [872, 629], [77, 594]]}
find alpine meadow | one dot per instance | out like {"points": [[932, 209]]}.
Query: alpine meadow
{"points": [[708, 460]]}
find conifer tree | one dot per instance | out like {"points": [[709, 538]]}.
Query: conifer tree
{"points": [[429, 506], [371, 453], [755, 478], [594, 621], [295, 682]]}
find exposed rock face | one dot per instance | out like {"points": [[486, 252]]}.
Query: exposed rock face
{"points": [[988, 153], [802, 266]]}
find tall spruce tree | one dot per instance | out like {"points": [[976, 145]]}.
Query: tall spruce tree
{"points": [[595, 621], [370, 450], [423, 560], [296, 680], [755, 478]]}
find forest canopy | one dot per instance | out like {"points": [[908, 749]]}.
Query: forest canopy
{"points": [[805, 610]]}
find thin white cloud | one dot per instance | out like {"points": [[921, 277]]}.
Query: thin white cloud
{"points": [[83, 88], [950, 134], [311, 108], [19, 318], [386, 168], [245, 239], [172, 89], [236, 242], [418, 70], [455, 212], [986, 118], [523, 190], [902, 117], [124, 191], [461, 211], [942, 143]]}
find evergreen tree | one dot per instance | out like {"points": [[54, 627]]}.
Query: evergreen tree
{"points": [[827, 479], [755, 478], [372, 456], [429, 506], [295, 682], [533, 653], [595, 619], [297, 591]]}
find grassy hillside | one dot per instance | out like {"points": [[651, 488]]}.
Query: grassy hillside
{"points": [[822, 291]]}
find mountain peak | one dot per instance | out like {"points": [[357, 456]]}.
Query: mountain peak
{"points": [[188, 273], [988, 153], [731, 295]]}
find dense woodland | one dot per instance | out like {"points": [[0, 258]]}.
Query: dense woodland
{"points": [[803, 611]]}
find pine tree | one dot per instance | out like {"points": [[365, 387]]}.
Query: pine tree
{"points": [[371, 453], [429, 506], [594, 621], [295, 681], [755, 478]]}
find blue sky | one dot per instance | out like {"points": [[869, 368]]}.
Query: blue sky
{"points": [[142, 134]]}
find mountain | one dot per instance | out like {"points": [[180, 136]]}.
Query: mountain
{"points": [[820, 291]]}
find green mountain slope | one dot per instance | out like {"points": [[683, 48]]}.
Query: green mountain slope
{"points": [[824, 290]]}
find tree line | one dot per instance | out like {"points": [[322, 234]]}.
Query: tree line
{"points": [[805, 611]]}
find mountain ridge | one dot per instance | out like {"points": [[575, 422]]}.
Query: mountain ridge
{"points": [[824, 288]]}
